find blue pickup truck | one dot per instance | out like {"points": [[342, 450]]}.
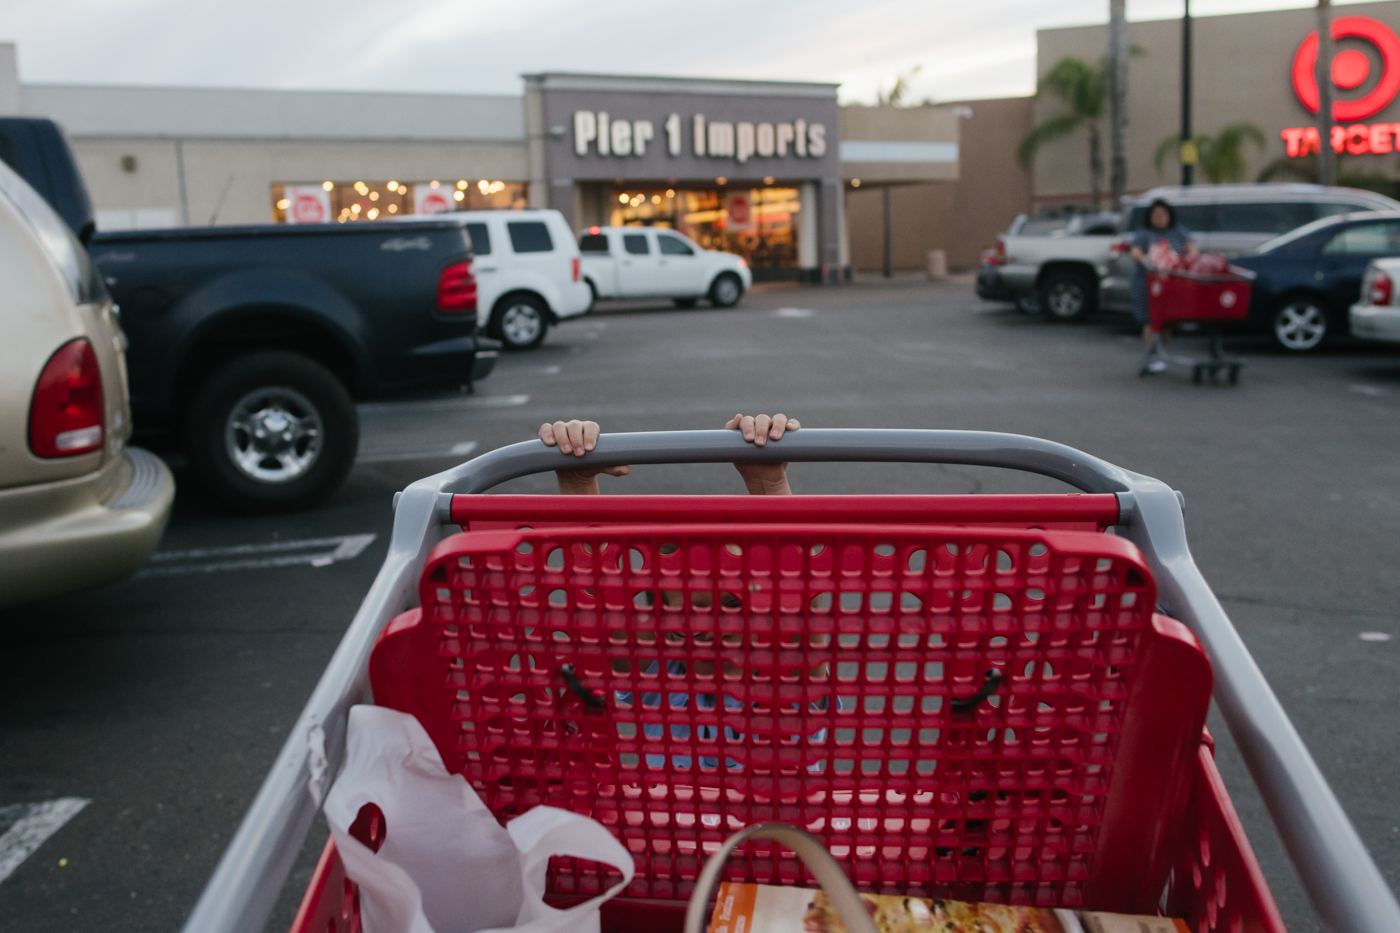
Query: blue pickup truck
{"points": [[249, 345]]}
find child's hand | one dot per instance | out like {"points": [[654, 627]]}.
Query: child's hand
{"points": [[577, 438], [763, 479]]}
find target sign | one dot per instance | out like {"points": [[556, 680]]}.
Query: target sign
{"points": [[1351, 68], [1227, 299]]}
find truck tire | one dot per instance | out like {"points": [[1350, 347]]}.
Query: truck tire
{"points": [[726, 290], [520, 322], [271, 431], [1067, 295]]}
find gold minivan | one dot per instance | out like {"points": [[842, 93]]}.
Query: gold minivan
{"points": [[78, 507]]}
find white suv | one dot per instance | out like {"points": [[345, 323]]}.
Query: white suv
{"points": [[527, 272], [647, 262]]}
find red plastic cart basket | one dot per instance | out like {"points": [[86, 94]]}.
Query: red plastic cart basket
{"points": [[1180, 297], [965, 696], [1176, 296]]}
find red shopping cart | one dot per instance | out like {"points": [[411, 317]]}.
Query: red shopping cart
{"points": [[980, 697], [1179, 297]]}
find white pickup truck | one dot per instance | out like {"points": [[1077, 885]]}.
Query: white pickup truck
{"points": [[1058, 271], [648, 262]]}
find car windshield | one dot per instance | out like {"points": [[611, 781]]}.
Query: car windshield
{"points": [[1043, 226], [1305, 230]]}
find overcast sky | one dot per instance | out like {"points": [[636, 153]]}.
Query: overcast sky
{"points": [[965, 49]]}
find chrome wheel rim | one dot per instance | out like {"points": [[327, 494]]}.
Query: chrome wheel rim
{"points": [[727, 291], [273, 435], [521, 324], [1300, 326], [1065, 299]]}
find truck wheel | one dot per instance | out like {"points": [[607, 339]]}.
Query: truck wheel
{"points": [[1068, 296], [686, 302], [272, 431], [726, 291], [592, 296], [521, 322]]}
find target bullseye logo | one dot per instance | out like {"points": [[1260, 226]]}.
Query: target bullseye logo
{"points": [[1227, 299], [1351, 68]]}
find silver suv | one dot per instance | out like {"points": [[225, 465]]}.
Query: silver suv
{"points": [[1230, 219]]}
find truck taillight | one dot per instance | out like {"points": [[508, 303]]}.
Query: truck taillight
{"points": [[66, 415], [456, 289], [1000, 259], [1381, 290], [1117, 248], [575, 268]]}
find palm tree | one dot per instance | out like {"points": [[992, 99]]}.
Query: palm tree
{"points": [[1083, 88], [894, 97], [1221, 157], [1304, 168]]}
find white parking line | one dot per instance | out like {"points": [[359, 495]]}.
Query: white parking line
{"points": [[1372, 391], [794, 312], [398, 456], [470, 401], [36, 823], [320, 552]]}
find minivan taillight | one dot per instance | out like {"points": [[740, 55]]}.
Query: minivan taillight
{"points": [[66, 415], [575, 268], [456, 289], [1382, 288]]}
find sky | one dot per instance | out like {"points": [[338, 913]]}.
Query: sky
{"points": [[964, 50]]}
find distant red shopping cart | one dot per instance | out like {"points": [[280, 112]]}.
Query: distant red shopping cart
{"points": [[976, 697], [1183, 297]]}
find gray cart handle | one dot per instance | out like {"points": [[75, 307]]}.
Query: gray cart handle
{"points": [[1347, 890]]}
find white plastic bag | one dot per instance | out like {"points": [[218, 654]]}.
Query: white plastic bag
{"points": [[445, 864]]}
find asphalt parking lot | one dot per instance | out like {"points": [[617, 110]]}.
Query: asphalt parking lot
{"points": [[161, 701]]}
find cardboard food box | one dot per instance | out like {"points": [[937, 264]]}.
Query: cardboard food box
{"points": [[761, 908]]}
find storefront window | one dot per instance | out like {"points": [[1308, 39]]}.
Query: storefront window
{"points": [[349, 202], [757, 223]]}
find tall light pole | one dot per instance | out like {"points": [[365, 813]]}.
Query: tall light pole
{"points": [[1326, 155], [1188, 148], [1118, 101]]}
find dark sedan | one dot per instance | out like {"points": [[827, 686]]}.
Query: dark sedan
{"points": [[1309, 277]]}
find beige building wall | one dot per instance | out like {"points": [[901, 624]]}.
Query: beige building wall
{"points": [[1242, 72], [248, 169], [926, 124], [960, 216]]}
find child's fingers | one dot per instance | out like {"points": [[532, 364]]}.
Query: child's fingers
{"points": [[761, 424], [560, 431], [547, 434], [733, 423], [590, 434], [780, 422], [575, 431]]}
